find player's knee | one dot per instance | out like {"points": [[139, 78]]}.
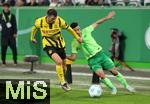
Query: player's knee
{"points": [[101, 75], [114, 72]]}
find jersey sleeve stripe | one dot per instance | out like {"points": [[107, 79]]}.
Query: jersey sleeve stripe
{"points": [[67, 27], [41, 23], [59, 22]]}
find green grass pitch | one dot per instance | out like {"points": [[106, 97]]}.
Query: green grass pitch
{"points": [[58, 96]]}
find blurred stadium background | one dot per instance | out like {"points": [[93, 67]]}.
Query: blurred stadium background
{"points": [[132, 18]]}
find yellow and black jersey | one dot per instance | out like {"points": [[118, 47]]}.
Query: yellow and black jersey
{"points": [[51, 33]]}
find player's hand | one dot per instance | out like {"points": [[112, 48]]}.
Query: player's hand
{"points": [[71, 57], [110, 15], [34, 41], [79, 40]]}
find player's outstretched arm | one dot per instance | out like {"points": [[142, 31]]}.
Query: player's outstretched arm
{"points": [[109, 16]]}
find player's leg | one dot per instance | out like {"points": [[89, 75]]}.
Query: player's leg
{"points": [[96, 67], [59, 67], [106, 81], [60, 71], [61, 52], [109, 65], [52, 53], [121, 79]]}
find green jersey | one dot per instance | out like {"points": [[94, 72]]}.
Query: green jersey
{"points": [[89, 46]]}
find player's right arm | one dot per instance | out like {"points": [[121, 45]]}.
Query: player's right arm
{"points": [[109, 16], [34, 30]]}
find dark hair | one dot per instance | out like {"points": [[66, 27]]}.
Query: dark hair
{"points": [[74, 24], [115, 29], [51, 12], [6, 5]]}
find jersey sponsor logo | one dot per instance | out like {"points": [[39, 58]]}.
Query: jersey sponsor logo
{"points": [[45, 26], [51, 31], [147, 38]]}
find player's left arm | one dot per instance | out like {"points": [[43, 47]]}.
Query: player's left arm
{"points": [[75, 46], [72, 57], [108, 17]]}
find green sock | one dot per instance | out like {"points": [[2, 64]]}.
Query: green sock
{"points": [[122, 80], [108, 83]]}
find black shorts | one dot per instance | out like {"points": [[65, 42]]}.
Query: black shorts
{"points": [[60, 51]]}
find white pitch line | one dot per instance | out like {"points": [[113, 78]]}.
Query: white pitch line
{"points": [[80, 83], [75, 73]]}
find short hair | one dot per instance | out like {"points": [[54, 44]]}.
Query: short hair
{"points": [[115, 29], [74, 24], [51, 12], [6, 5]]}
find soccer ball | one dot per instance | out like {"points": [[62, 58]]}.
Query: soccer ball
{"points": [[95, 91]]}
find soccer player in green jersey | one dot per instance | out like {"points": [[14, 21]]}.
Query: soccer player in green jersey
{"points": [[97, 59]]}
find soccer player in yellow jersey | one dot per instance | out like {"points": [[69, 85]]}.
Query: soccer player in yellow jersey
{"points": [[53, 42]]}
